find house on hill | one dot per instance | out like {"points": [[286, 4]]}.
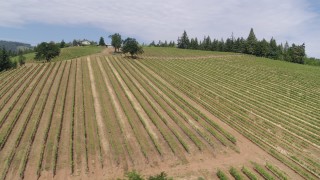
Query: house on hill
{"points": [[85, 43]]}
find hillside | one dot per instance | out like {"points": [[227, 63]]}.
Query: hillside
{"points": [[14, 46], [67, 53], [188, 113]]}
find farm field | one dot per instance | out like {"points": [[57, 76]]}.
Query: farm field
{"points": [[188, 115]]}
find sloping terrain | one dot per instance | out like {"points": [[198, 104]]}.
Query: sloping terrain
{"points": [[101, 116]]}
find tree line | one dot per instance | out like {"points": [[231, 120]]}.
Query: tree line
{"points": [[251, 45]]}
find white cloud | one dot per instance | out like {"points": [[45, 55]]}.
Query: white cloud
{"points": [[152, 20]]}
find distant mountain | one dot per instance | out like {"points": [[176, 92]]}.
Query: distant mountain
{"points": [[14, 46]]}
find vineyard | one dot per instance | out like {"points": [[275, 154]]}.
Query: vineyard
{"points": [[103, 115]]}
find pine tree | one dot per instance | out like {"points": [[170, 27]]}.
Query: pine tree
{"points": [[251, 43], [262, 48], [62, 44], [183, 41], [221, 45], [274, 50], [101, 42], [5, 62]]}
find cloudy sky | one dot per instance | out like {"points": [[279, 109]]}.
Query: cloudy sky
{"points": [[33, 21]]}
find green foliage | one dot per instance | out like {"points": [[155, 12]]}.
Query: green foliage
{"points": [[47, 51], [221, 175], [262, 48], [281, 175], [262, 172], [101, 42], [235, 173], [161, 176], [251, 42], [312, 61], [67, 53], [297, 53], [5, 62], [21, 60], [130, 45], [183, 41], [134, 175], [116, 41], [249, 174], [62, 44]]}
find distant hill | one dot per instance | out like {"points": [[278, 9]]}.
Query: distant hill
{"points": [[14, 46]]}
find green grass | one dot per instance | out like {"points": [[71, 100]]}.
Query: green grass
{"points": [[175, 52], [67, 53]]}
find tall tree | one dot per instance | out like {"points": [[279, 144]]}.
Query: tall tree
{"points": [[297, 53], [274, 50], [47, 51], [251, 42], [101, 42], [116, 41], [5, 62], [130, 45], [262, 48], [183, 41], [62, 44]]}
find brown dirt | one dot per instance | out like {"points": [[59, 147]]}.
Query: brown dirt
{"points": [[79, 139], [130, 138], [140, 133], [38, 141], [97, 106], [63, 161], [248, 150], [136, 105], [200, 163]]}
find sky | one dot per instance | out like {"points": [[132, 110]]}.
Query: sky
{"points": [[34, 21]]}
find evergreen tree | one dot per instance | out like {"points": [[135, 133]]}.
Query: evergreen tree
{"points": [[251, 43], [221, 45], [152, 44], [207, 43], [229, 45], [285, 52], [262, 48], [62, 44], [183, 41], [274, 50], [194, 43], [165, 43], [101, 42], [215, 45], [5, 62]]}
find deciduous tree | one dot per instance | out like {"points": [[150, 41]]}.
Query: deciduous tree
{"points": [[47, 51], [130, 45], [116, 41]]}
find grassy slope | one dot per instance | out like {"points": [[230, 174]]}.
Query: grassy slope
{"points": [[173, 52], [68, 53]]}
